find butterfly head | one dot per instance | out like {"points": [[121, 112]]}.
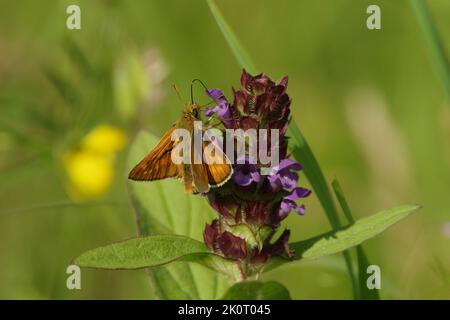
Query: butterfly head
{"points": [[191, 112]]}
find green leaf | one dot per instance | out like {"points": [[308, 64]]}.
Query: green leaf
{"points": [[233, 42], [162, 207], [363, 262], [255, 290], [339, 240], [155, 251], [141, 252]]}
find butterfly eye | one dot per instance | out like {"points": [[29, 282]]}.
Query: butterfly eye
{"points": [[195, 113]]}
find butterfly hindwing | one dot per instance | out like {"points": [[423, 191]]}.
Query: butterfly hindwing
{"points": [[217, 166]]}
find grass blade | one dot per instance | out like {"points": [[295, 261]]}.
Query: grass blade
{"points": [[241, 55], [363, 262], [342, 201], [433, 42]]}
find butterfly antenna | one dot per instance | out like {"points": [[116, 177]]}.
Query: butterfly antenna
{"points": [[192, 88], [177, 90]]}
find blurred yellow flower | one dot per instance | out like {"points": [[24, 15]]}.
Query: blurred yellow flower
{"points": [[104, 139], [90, 174], [90, 169]]}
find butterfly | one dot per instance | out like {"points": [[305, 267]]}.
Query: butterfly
{"points": [[214, 171]]}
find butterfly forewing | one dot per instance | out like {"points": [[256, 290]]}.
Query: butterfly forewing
{"points": [[158, 163]]}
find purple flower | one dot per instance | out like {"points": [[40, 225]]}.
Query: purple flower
{"points": [[282, 175], [247, 173], [222, 108], [256, 204], [288, 202], [215, 94]]}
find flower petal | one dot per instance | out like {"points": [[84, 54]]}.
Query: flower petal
{"points": [[289, 180], [223, 110], [289, 164], [210, 112], [214, 94], [256, 177], [285, 207], [298, 193], [241, 178], [275, 182], [300, 210]]}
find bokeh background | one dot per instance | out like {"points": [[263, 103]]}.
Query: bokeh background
{"points": [[369, 102]]}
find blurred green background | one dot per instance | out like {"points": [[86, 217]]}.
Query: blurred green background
{"points": [[369, 102]]}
